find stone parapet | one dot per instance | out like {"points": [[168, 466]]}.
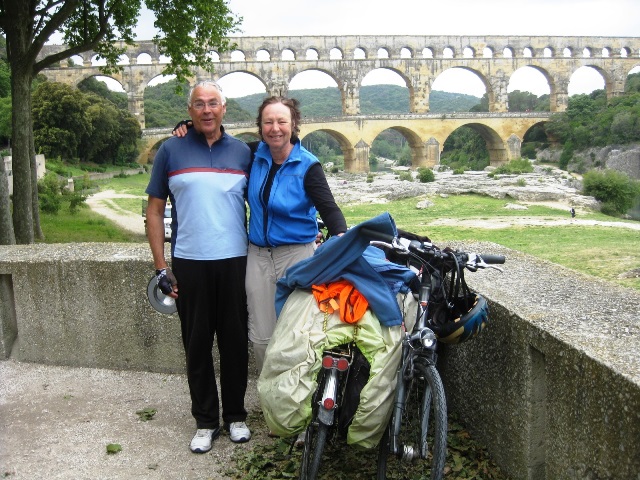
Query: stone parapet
{"points": [[85, 304], [551, 386]]}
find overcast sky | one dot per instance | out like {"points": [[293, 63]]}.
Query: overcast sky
{"points": [[429, 17]]}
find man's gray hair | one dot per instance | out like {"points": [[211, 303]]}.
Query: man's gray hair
{"points": [[207, 83]]}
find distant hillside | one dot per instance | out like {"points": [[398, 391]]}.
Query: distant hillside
{"points": [[164, 108], [374, 99]]}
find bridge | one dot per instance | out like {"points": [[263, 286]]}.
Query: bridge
{"points": [[418, 60], [425, 134]]}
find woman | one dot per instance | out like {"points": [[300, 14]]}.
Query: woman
{"points": [[287, 186]]}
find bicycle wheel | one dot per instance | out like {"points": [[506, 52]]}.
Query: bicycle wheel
{"points": [[314, 441], [422, 433]]}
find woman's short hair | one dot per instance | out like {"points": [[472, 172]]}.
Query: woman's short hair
{"points": [[294, 108]]}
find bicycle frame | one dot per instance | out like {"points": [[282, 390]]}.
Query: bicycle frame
{"points": [[419, 345]]}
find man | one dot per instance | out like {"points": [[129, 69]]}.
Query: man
{"points": [[205, 177]]}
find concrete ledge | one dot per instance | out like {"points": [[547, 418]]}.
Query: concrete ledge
{"points": [[552, 386], [85, 305]]}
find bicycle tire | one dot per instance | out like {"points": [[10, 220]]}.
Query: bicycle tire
{"points": [[423, 426], [314, 441]]}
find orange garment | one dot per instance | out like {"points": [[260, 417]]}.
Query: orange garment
{"points": [[343, 296]]}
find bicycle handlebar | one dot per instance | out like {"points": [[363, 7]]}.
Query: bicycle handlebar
{"points": [[428, 251], [492, 259]]}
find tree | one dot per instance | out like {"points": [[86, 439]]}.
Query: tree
{"points": [[189, 30], [60, 119]]}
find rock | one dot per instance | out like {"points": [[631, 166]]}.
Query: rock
{"points": [[423, 204]]}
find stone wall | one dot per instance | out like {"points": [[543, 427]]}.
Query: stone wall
{"points": [[551, 386], [8, 167]]}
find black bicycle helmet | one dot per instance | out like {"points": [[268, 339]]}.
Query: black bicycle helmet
{"points": [[461, 320], [458, 313]]}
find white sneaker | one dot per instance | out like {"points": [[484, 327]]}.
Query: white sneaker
{"points": [[201, 441], [239, 432]]}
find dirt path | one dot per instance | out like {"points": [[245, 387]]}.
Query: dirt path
{"points": [[504, 222], [102, 203]]}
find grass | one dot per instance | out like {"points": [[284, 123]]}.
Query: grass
{"points": [[603, 252], [83, 226], [132, 184]]}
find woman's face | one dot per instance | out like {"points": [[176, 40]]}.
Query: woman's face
{"points": [[276, 125]]}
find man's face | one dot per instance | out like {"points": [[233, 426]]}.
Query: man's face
{"points": [[206, 110]]}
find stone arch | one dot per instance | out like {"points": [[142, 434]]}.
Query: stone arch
{"points": [[406, 78], [609, 82], [497, 148], [336, 53], [355, 158], [417, 146], [360, 53], [427, 52], [149, 149], [382, 53], [469, 52], [406, 52], [331, 74], [534, 135], [142, 57], [479, 74], [546, 75], [263, 55], [238, 56], [247, 72]]}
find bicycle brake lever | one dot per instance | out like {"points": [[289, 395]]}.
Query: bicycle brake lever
{"points": [[475, 262]]}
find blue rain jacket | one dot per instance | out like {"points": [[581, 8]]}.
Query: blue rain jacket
{"points": [[350, 257]]}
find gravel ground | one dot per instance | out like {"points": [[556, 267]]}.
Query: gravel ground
{"points": [[56, 423]]}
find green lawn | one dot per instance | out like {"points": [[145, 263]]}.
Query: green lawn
{"points": [[83, 226], [604, 252]]}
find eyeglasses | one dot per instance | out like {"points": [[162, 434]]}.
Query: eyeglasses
{"points": [[211, 105]]}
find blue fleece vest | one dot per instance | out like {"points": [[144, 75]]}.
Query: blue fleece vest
{"points": [[289, 217]]}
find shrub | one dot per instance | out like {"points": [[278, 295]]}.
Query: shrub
{"points": [[426, 175], [528, 150], [614, 189], [50, 193], [370, 178], [515, 166], [406, 176], [521, 182], [75, 201], [458, 171]]}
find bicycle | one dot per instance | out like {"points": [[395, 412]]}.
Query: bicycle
{"points": [[418, 426], [410, 435]]}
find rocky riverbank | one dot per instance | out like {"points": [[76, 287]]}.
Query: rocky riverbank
{"points": [[545, 184]]}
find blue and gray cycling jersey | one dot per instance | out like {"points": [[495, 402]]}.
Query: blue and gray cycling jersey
{"points": [[207, 189]]}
